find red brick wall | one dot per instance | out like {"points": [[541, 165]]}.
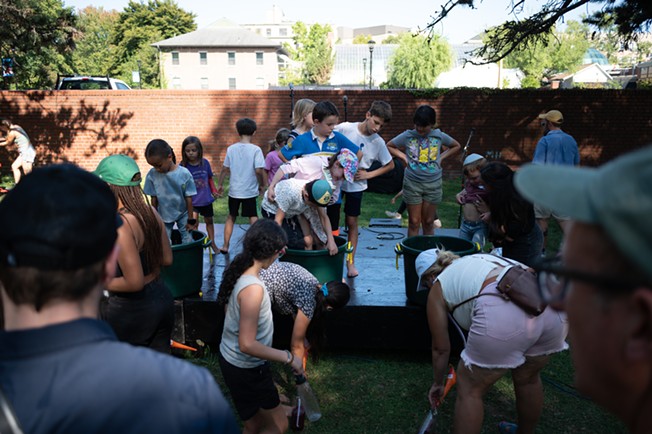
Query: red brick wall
{"points": [[85, 126]]}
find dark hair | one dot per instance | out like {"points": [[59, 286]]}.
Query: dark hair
{"points": [[282, 136], [245, 127], [505, 203], [324, 109], [191, 140], [381, 109], [159, 148], [263, 239], [424, 116], [5, 123], [338, 296]]}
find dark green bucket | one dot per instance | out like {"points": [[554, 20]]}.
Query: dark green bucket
{"points": [[185, 276], [410, 249], [323, 266]]}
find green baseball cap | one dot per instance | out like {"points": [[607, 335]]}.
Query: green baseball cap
{"points": [[616, 196], [120, 170]]}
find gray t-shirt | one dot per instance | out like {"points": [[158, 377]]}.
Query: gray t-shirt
{"points": [[171, 189], [422, 153], [230, 347]]}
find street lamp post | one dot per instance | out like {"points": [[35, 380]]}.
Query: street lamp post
{"points": [[371, 44], [364, 72]]}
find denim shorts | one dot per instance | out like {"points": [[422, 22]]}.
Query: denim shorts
{"points": [[415, 192], [502, 334], [476, 232]]}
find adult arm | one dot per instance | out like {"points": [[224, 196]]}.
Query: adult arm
{"points": [[250, 299], [438, 324], [540, 151]]}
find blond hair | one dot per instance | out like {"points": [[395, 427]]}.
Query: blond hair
{"points": [[444, 259]]}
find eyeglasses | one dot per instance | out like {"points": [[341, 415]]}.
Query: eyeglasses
{"points": [[553, 280]]}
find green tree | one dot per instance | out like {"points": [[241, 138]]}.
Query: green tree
{"points": [[561, 52], [94, 52], [417, 62], [138, 26], [361, 39], [312, 49], [38, 35], [391, 39], [630, 17]]}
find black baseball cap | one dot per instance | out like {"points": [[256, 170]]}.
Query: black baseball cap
{"points": [[58, 217]]}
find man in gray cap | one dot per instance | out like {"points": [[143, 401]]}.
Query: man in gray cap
{"points": [[555, 147], [604, 277], [62, 369]]}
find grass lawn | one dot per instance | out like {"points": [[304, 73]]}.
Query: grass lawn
{"points": [[385, 392]]}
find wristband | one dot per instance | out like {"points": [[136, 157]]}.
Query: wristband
{"points": [[290, 357]]}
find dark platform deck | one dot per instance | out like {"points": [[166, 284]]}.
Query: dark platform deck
{"points": [[378, 316]]}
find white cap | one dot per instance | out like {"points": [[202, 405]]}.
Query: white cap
{"points": [[472, 159], [422, 263]]}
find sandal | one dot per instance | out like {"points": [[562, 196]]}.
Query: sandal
{"points": [[507, 427]]}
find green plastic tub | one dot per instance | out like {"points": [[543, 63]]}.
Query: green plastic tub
{"points": [[410, 249], [323, 266], [185, 276]]}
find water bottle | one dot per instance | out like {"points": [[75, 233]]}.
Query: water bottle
{"points": [[308, 398], [298, 416], [428, 425]]}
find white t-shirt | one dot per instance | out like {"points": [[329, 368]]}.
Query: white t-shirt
{"points": [[373, 149], [243, 159], [463, 279]]}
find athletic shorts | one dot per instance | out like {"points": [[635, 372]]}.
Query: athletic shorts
{"points": [[415, 192], [204, 210], [248, 207], [502, 334], [353, 203], [251, 388]]}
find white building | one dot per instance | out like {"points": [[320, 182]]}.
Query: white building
{"points": [[220, 56]]}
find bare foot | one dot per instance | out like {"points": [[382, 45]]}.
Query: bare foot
{"points": [[351, 271]]}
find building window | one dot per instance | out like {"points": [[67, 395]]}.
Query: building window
{"points": [[203, 83], [175, 57], [203, 58], [259, 57], [176, 82], [268, 32], [231, 55], [260, 83], [283, 31], [232, 83]]}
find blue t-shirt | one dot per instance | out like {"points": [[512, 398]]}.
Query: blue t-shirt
{"points": [[75, 377], [202, 174], [308, 144], [171, 189], [557, 147]]}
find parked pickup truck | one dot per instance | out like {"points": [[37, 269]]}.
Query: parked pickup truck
{"points": [[88, 82]]}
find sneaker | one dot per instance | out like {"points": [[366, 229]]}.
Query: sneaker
{"points": [[393, 214], [437, 223]]}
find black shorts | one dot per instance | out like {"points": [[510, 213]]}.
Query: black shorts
{"points": [[251, 388], [205, 210], [352, 203], [248, 207]]}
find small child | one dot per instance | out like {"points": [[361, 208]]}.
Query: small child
{"points": [[471, 199], [171, 188], [245, 165], [272, 160], [401, 208], [192, 158]]}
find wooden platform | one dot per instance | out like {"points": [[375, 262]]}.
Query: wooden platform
{"points": [[378, 316]]}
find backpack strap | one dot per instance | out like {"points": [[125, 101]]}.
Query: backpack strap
{"points": [[486, 283]]}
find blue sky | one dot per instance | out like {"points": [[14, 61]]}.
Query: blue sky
{"points": [[459, 26]]}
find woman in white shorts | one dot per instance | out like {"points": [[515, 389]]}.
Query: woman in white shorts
{"points": [[15, 134], [501, 337]]}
